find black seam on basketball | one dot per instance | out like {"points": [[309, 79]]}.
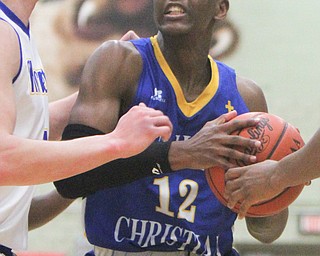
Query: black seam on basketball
{"points": [[278, 141], [267, 201]]}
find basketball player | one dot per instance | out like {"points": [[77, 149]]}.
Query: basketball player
{"points": [[26, 156], [265, 180], [169, 213]]}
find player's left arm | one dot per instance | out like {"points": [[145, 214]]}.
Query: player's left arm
{"points": [[59, 112], [46, 207], [264, 229]]}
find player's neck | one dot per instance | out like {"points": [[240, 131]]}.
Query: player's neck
{"points": [[187, 50], [188, 61], [21, 8]]}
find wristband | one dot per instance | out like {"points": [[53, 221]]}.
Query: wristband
{"points": [[152, 161]]}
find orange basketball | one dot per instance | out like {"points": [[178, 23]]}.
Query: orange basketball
{"points": [[278, 139]]}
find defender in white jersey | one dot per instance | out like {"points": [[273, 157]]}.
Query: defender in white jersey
{"points": [[32, 122], [26, 157]]}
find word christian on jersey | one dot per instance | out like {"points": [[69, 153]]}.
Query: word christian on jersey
{"points": [[147, 233]]}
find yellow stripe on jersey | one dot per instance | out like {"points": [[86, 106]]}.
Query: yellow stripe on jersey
{"points": [[188, 108]]}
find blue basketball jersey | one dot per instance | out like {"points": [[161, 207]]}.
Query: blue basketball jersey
{"points": [[175, 211]]}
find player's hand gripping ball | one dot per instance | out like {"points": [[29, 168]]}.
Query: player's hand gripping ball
{"points": [[278, 139]]}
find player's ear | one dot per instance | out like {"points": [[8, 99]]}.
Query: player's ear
{"points": [[223, 7]]}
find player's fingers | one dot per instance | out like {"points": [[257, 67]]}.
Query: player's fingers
{"points": [[242, 144], [164, 126], [233, 196], [235, 140], [232, 174], [164, 132], [224, 118], [161, 120], [229, 116], [238, 156], [224, 163], [154, 129], [244, 207], [149, 111], [240, 124], [231, 186], [155, 113], [157, 118]]}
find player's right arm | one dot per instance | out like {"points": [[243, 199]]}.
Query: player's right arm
{"points": [[306, 160], [24, 161], [214, 145]]}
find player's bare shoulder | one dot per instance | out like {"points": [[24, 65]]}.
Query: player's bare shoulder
{"points": [[252, 94], [9, 49], [114, 63], [121, 53]]}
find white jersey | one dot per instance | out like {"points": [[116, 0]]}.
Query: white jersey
{"points": [[32, 121]]}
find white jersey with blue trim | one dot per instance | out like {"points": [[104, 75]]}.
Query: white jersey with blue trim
{"points": [[32, 122], [172, 212]]}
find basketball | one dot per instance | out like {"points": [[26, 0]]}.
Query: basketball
{"points": [[278, 139]]}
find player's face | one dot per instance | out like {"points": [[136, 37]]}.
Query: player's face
{"points": [[184, 16]]}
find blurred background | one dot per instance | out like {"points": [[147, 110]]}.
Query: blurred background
{"points": [[275, 43]]}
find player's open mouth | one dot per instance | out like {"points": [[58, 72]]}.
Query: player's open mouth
{"points": [[174, 10]]}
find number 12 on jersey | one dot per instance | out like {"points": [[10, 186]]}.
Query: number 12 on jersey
{"points": [[188, 189]]}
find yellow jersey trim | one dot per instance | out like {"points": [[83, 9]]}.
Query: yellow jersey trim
{"points": [[188, 108]]}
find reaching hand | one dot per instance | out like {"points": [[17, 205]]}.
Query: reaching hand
{"points": [[214, 145], [250, 185], [139, 127]]}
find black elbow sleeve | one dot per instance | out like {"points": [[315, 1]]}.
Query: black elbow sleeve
{"points": [[152, 161]]}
